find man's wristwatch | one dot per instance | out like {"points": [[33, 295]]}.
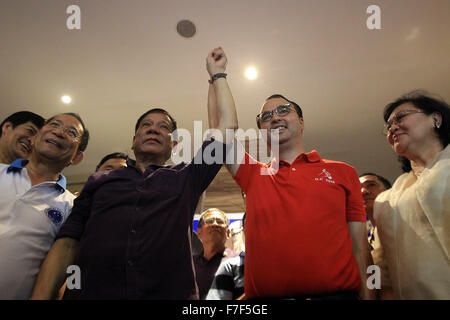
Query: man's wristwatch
{"points": [[217, 76]]}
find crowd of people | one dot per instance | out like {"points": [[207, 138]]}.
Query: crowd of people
{"points": [[312, 226]]}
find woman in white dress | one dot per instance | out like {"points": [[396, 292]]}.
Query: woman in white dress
{"points": [[413, 217]]}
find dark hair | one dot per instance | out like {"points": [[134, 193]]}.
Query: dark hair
{"points": [[201, 221], [405, 163], [85, 137], [296, 106], [429, 104], [114, 155], [21, 117], [383, 180], [156, 110]]}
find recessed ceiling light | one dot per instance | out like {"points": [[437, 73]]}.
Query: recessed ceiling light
{"points": [[251, 73], [66, 99], [186, 28]]}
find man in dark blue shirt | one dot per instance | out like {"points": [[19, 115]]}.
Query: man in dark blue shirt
{"points": [[130, 229], [213, 232]]}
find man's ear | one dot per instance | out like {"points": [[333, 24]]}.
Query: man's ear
{"points": [[78, 158], [6, 126], [228, 233], [437, 117], [302, 124]]}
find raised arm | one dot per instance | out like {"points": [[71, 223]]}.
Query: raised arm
{"points": [[213, 116], [53, 270], [221, 108], [223, 116]]}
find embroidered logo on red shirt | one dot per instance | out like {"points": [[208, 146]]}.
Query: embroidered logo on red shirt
{"points": [[324, 175]]}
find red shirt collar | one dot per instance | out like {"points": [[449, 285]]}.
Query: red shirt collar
{"points": [[311, 157]]}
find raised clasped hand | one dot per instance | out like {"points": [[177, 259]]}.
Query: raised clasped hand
{"points": [[216, 61]]}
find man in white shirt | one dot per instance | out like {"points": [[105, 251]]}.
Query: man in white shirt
{"points": [[35, 202]]}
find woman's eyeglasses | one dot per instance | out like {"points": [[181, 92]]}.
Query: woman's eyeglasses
{"points": [[398, 118]]}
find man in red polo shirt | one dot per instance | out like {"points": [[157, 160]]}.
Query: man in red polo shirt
{"points": [[305, 228]]}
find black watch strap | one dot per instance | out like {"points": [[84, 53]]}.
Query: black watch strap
{"points": [[217, 76]]}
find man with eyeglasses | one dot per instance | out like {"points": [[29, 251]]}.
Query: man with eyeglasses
{"points": [[305, 229], [35, 203], [228, 282], [213, 232]]}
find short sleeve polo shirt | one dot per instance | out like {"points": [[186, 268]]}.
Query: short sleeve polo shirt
{"points": [[30, 218], [297, 237]]}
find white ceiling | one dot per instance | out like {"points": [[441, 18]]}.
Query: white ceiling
{"points": [[128, 57]]}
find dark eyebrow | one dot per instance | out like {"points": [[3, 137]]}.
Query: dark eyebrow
{"points": [[70, 127], [166, 122], [145, 121], [281, 105], [32, 128]]}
